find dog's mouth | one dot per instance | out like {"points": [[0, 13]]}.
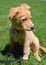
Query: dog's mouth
{"points": [[28, 29]]}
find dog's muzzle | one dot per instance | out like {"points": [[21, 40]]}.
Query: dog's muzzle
{"points": [[31, 28]]}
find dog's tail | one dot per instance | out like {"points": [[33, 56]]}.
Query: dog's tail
{"points": [[42, 48]]}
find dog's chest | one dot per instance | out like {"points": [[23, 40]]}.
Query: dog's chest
{"points": [[30, 36]]}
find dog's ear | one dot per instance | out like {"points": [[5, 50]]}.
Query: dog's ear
{"points": [[26, 6], [13, 13]]}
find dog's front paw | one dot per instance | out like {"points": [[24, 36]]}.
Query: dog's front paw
{"points": [[25, 57]]}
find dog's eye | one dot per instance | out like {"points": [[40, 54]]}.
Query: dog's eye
{"points": [[24, 19]]}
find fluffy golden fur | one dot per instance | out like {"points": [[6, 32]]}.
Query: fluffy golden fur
{"points": [[21, 21]]}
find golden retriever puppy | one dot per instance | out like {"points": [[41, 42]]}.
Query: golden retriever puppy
{"points": [[21, 31]]}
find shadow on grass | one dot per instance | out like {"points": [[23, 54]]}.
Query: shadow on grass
{"points": [[17, 52]]}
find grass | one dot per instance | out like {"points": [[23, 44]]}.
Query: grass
{"points": [[39, 19]]}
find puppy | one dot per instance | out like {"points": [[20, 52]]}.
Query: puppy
{"points": [[21, 21]]}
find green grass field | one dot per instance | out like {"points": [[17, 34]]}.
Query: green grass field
{"points": [[38, 9]]}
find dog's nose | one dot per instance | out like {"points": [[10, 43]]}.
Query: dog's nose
{"points": [[32, 28]]}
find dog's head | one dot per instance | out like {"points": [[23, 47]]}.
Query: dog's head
{"points": [[22, 15]]}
